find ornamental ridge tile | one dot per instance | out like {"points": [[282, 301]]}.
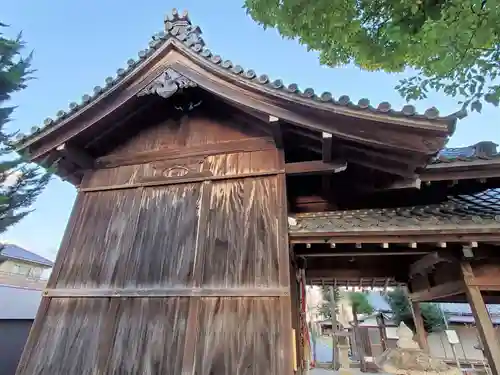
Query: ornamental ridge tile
{"points": [[179, 26]]}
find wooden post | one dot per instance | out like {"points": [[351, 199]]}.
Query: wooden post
{"points": [[483, 322], [419, 325], [382, 331], [360, 340], [333, 311]]}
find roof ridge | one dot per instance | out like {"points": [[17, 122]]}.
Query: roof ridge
{"points": [[180, 27]]}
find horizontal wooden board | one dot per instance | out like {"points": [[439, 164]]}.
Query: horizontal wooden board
{"points": [[186, 169], [189, 131], [167, 292]]}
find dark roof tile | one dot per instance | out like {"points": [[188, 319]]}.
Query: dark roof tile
{"points": [[474, 211], [180, 27]]}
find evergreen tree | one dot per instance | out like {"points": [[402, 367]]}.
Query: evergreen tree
{"points": [[360, 303], [20, 184], [400, 306], [325, 307]]}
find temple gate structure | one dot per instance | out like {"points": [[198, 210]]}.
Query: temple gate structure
{"points": [[203, 188]]}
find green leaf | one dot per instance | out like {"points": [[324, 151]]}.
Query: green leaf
{"points": [[446, 42], [476, 106]]}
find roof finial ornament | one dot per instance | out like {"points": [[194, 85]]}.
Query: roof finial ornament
{"points": [[180, 27]]}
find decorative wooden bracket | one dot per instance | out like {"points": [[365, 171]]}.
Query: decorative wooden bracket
{"points": [[427, 263], [167, 84], [178, 170], [276, 131], [76, 156]]}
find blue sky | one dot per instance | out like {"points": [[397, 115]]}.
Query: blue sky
{"points": [[78, 44]]}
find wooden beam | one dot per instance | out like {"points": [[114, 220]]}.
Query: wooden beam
{"points": [[487, 276], [403, 236], [327, 147], [276, 131], [314, 167], [326, 151], [76, 156], [438, 292], [413, 183], [166, 292], [419, 325], [482, 319], [347, 274]]}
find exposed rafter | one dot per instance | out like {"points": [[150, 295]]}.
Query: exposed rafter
{"points": [[315, 167]]}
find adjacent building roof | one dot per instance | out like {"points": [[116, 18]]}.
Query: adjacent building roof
{"points": [[19, 303], [475, 212], [455, 312], [484, 150], [18, 253]]}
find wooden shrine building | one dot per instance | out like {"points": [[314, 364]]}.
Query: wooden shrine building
{"points": [[203, 187]]}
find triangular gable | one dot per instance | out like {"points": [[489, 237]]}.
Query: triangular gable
{"points": [[182, 36], [177, 61]]}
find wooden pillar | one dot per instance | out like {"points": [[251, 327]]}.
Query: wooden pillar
{"points": [[333, 311], [360, 340], [483, 322], [419, 325], [382, 331]]}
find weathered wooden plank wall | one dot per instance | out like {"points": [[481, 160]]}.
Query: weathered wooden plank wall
{"points": [[190, 276]]}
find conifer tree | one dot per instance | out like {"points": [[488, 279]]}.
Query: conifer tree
{"points": [[20, 183], [400, 306]]}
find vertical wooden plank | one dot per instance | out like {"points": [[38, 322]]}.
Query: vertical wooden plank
{"points": [[149, 336], [192, 323], [284, 268], [75, 216], [382, 331], [70, 338], [483, 321]]}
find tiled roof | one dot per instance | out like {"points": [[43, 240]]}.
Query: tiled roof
{"points": [[474, 212], [480, 151], [379, 303], [16, 252], [179, 27]]}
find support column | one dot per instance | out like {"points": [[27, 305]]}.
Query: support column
{"points": [[419, 326], [483, 322], [333, 310]]}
